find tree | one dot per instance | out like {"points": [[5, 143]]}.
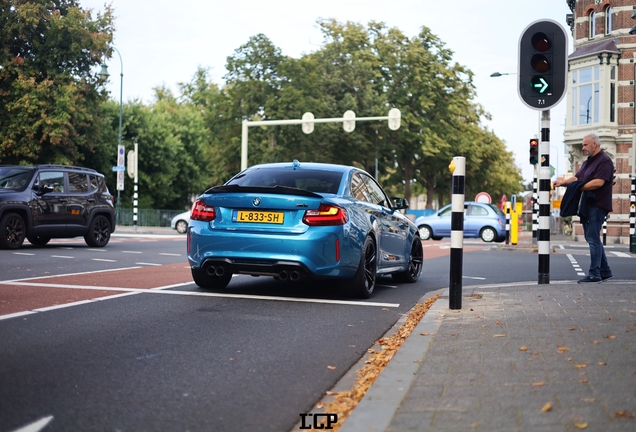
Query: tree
{"points": [[50, 96]]}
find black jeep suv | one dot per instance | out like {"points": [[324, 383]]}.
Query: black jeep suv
{"points": [[54, 201]]}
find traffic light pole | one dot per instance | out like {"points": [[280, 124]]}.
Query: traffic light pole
{"points": [[543, 233]]}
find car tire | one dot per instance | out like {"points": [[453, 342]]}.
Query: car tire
{"points": [[488, 234], [363, 283], [36, 240], [181, 226], [12, 230], [426, 233], [207, 281], [416, 259], [99, 233]]}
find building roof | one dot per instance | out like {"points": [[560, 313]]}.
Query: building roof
{"points": [[596, 48]]}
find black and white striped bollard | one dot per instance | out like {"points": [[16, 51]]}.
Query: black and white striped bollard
{"points": [[458, 170]]}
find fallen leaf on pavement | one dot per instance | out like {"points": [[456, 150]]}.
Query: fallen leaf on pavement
{"points": [[610, 337], [538, 384], [523, 348], [582, 381], [580, 425], [562, 349], [499, 335], [331, 367], [580, 366], [602, 363], [572, 328], [345, 401], [547, 407], [624, 414], [497, 322]]}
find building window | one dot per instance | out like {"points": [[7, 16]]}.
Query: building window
{"points": [[591, 25], [608, 20], [585, 96]]}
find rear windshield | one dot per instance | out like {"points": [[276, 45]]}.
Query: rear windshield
{"points": [[307, 179], [15, 177], [496, 209]]}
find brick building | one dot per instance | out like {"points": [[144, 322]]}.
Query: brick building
{"points": [[600, 95]]}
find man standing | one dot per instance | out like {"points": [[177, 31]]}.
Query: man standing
{"points": [[596, 176]]}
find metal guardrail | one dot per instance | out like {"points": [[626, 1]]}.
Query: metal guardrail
{"points": [[147, 217]]}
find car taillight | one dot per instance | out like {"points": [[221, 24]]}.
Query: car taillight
{"points": [[326, 215], [201, 212]]}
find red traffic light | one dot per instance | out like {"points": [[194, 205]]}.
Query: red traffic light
{"points": [[534, 151], [540, 42]]}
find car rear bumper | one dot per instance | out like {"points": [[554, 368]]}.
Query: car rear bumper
{"points": [[309, 254]]}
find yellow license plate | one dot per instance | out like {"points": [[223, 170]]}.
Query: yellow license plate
{"points": [[260, 217]]}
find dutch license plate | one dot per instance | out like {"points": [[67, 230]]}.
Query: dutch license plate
{"points": [[260, 217]]}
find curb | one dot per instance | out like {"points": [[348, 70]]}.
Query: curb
{"points": [[382, 400]]}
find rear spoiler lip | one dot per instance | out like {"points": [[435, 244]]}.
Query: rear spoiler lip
{"points": [[277, 190]]}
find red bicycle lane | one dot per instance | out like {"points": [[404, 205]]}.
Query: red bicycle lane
{"points": [[22, 295]]}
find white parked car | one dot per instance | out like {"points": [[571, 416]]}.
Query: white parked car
{"points": [[180, 222]]}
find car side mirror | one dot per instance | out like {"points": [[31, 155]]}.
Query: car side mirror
{"points": [[41, 190], [400, 203]]}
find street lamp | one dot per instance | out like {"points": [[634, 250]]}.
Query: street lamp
{"points": [[104, 74], [497, 74]]}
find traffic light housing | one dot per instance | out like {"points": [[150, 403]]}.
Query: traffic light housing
{"points": [[534, 151], [542, 67]]}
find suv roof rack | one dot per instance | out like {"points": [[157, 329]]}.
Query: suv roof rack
{"points": [[66, 167]]}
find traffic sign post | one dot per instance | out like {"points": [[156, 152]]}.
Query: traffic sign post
{"points": [[542, 81]]}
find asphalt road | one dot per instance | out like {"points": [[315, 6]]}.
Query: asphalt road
{"points": [[120, 338]]}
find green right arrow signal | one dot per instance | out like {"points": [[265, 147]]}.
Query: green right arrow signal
{"points": [[539, 84]]}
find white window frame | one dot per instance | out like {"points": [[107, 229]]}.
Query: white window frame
{"points": [[608, 20], [591, 25], [586, 98]]}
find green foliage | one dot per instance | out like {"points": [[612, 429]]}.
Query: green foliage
{"points": [[50, 97], [54, 109]]}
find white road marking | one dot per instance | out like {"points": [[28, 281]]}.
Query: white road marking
{"points": [[474, 277], [132, 252], [575, 265], [23, 253], [67, 274], [169, 254], [164, 290], [62, 256], [621, 254], [104, 260], [148, 264], [35, 426], [97, 250]]}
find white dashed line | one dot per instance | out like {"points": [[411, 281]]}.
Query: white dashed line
{"points": [[62, 256], [132, 252], [169, 254], [104, 260], [148, 264]]}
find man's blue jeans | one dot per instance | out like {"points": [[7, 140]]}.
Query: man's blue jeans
{"points": [[599, 267]]}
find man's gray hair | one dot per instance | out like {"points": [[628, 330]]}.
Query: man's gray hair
{"points": [[595, 139]]}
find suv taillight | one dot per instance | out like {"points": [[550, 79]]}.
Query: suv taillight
{"points": [[201, 212], [326, 215]]}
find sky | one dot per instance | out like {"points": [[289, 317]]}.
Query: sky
{"points": [[163, 42]]}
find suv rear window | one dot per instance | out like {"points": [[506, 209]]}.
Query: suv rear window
{"points": [[77, 183], [307, 179]]}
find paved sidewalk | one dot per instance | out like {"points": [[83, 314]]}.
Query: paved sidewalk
{"points": [[527, 357]]}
